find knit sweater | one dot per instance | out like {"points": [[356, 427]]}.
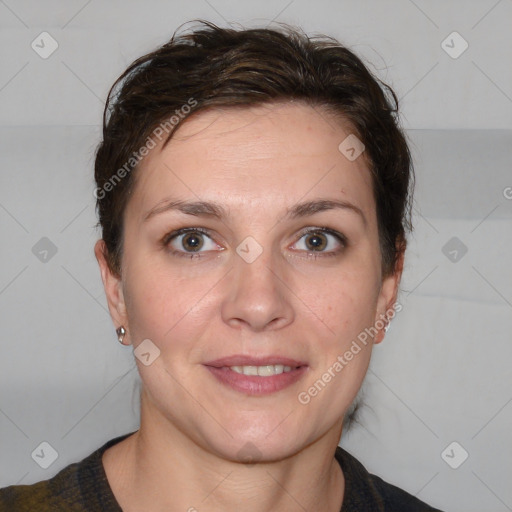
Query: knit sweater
{"points": [[83, 487]]}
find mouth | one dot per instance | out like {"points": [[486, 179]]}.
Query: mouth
{"points": [[257, 375], [261, 371]]}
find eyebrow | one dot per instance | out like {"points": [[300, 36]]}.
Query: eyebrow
{"points": [[215, 210]]}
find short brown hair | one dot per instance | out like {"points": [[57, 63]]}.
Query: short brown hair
{"points": [[224, 67]]}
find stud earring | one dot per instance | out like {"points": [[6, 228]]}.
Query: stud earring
{"points": [[121, 331]]}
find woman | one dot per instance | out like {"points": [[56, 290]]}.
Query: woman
{"points": [[253, 189]]}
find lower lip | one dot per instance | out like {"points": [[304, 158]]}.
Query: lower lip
{"points": [[254, 384]]}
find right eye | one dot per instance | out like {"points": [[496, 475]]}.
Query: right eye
{"points": [[189, 242]]}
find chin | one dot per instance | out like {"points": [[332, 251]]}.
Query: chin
{"points": [[262, 441], [257, 450]]}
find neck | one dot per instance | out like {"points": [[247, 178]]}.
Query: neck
{"points": [[160, 468]]}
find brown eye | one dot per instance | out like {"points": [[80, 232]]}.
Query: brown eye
{"points": [[323, 241], [315, 241], [192, 241]]}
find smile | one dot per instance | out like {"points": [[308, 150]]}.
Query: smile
{"points": [[261, 371], [256, 375]]}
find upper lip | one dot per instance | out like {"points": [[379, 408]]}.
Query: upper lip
{"points": [[245, 360]]}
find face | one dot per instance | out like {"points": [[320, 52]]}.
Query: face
{"points": [[252, 296]]}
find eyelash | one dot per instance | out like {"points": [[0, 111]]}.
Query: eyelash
{"points": [[311, 254]]}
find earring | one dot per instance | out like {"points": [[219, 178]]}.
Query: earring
{"points": [[387, 326], [121, 331]]}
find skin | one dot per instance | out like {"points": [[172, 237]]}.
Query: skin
{"points": [[256, 162]]}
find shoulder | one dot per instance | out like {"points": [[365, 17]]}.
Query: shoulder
{"points": [[79, 487], [398, 500], [365, 491], [58, 493]]}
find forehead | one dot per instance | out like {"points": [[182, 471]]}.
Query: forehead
{"points": [[268, 156]]}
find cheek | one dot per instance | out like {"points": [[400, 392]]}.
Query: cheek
{"points": [[343, 307], [346, 306], [161, 305]]}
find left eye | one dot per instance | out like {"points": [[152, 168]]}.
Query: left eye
{"points": [[320, 240]]}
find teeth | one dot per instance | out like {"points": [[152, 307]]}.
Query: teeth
{"points": [[262, 371]]}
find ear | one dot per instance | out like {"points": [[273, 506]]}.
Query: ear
{"points": [[386, 301], [113, 288]]}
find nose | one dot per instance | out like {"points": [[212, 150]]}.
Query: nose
{"points": [[258, 297]]}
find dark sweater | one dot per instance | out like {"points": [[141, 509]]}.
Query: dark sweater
{"points": [[83, 487]]}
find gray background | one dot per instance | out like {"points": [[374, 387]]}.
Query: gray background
{"points": [[443, 373]]}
